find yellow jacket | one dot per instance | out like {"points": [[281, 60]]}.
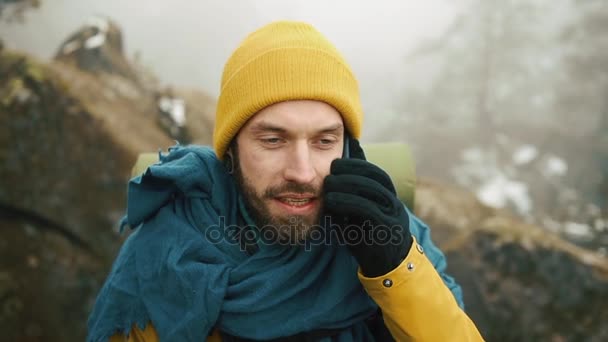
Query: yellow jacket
{"points": [[416, 305]]}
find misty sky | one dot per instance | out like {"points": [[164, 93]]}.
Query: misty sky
{"points": [[186, 42]]}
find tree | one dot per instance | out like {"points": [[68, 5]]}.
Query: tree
{"points": [[495, 65], [13, 10], [583, 96], [512, 73]]}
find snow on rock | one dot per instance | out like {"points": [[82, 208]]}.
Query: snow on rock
{"points": [[70, 47], [95, 41], [525, 154], [578, 230], [500, 191], [102, 25], [555, 166], [176, 108]]}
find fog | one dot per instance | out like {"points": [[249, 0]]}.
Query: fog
{"points": [[187, 42], [502, 103], [467, 84]]}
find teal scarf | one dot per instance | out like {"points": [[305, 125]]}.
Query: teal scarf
{"points": [[182, 272]]}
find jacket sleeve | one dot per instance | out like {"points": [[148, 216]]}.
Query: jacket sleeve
{"points": [[417, 304], [422, 234], [148, 334]]}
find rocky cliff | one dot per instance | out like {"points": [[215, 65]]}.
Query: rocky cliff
{"points": [[70, 131], [520, 282]]}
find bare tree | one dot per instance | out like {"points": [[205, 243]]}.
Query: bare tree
{"points": [[13, 10]]}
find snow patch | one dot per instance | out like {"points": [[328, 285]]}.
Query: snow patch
{"points": [[102, 25], [70, 47], [500, 191], [525, 154], [95, 41], [556, 166], [176, 108], [578, 230]]}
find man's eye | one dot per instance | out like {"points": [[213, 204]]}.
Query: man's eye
{"points": [[326, 141], [326, 144], [271, 141]]}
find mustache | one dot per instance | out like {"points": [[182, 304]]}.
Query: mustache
{"points": [[292, 187]]}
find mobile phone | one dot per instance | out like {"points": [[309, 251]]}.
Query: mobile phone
{"points": [[346, 148]]}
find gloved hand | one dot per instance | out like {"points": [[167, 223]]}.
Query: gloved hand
{"points": [[358, 195]]}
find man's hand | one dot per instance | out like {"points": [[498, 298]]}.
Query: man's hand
{"points": [[360, 196]]}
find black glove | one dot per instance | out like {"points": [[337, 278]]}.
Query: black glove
{"points": [[362, 202]]}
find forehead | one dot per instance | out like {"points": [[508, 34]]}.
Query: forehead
{"points": [[294, 116]]}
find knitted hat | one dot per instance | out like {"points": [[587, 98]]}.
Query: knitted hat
{"points": [[279, 62]]}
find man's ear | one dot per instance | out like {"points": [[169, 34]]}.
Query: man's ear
{"points": [[229, 161]]}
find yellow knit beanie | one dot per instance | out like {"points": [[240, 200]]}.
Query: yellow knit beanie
{"points": [[279, 62]]}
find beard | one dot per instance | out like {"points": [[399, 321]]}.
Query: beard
{"points": [[288, 229]]}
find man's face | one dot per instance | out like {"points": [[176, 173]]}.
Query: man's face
{"points": [[283, 154]]}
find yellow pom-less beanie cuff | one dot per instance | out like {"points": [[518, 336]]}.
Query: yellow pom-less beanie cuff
{"points": [[282, 72]]}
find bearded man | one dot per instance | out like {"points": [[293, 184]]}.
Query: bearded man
{"points": [[266, 237]]}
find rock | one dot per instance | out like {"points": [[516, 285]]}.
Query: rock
{"points": [[68, 140], [47, 281], [520, 282], [172, 115], [200, 115], [97, 46], [68, 143], [185, 115]]}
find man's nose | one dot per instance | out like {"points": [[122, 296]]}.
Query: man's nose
{"points": [[299, 164]]}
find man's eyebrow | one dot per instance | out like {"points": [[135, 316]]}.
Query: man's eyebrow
{"points": [[264, 126], [332, 128]]}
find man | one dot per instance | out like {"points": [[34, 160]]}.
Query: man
{"points": [[267, 237]]}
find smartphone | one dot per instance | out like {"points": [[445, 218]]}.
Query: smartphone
{"points": [[346, 148]]}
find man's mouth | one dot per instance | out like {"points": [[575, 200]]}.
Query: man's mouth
{"points": [[296, 201]]}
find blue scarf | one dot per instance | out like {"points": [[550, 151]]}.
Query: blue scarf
{"points": [[180, 271]]}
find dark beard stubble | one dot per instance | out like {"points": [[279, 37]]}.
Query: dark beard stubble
{"points": [[294, 229]]}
